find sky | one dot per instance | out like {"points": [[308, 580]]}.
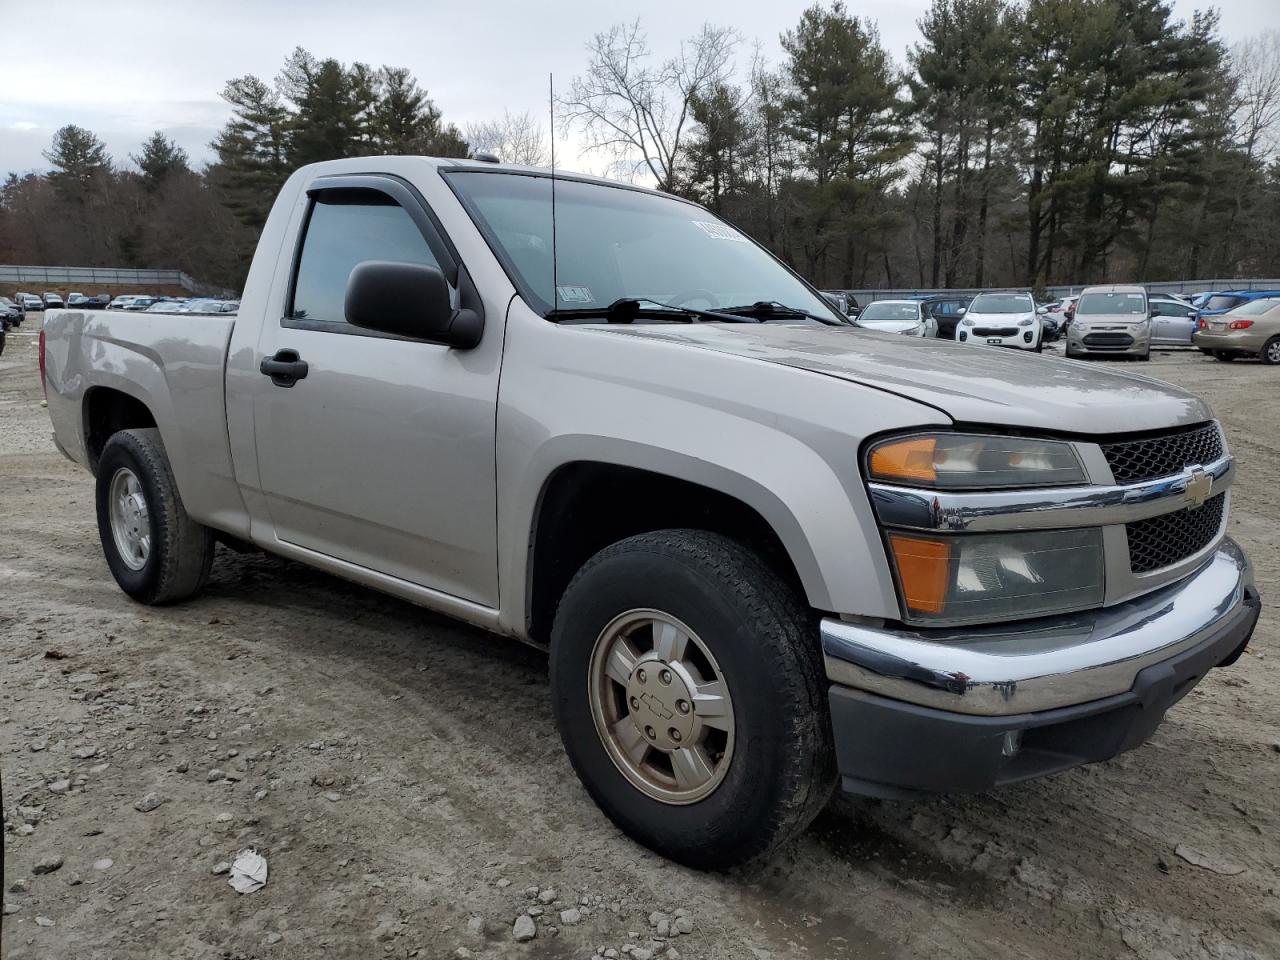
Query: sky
{"points": [[125, 68]]}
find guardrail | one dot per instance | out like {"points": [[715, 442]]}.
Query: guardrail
{"points": [[1065, 290], [119, 276]]}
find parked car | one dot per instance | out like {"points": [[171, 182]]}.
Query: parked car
{"points": [[1112, 320], [13, 311], [122, 302], [30, 301], [1008, 319], [51, 300], [838, 299], [1251, 329], [946, 310], [1217, 304], [139, 303], [765, 558], [907, 317], [1172, 321]]}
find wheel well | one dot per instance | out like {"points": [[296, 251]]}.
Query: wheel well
{"points": [[587, 506], [108, 411]]}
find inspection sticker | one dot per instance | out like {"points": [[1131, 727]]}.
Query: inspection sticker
{"points": [[719, 231], [574, 294]]}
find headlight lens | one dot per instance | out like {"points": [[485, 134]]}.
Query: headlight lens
{"points": [[966, 322], [967, 579], [970, 461], [912, 331], [1026, 321]]}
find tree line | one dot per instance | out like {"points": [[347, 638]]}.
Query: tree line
{"points": [[1022, 142]]}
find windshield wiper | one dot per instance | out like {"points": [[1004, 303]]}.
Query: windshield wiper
{"points": [[772, 308], [627, 309]]}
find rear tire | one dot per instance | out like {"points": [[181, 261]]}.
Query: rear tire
{"points": [[760, 644], [1270, 352], [156, 552]]}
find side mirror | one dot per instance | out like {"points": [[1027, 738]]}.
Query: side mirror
{"points": [[409, 300], [962, 311], [1042, 310]]}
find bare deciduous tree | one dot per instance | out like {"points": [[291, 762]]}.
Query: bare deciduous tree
{"points": [[513, 139], [637, 112], [1255, 65]]}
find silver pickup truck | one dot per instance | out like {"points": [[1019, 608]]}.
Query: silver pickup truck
{"points": [[766, 550]]}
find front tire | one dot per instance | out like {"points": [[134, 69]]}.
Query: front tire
{"points": [[156, 552], [689, 692]]}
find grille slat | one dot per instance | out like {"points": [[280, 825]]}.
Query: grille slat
{"points": [[1163, 541], [1133, 461]]}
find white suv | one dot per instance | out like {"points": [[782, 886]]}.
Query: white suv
{"points": [[1003, 320]]}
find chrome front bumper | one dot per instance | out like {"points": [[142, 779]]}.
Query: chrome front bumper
{"points": [[1019, 668]]}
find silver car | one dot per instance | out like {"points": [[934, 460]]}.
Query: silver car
{"points": [[1111, 320], [1172, 321]]}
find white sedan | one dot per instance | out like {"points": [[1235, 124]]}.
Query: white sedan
{"points": [[1002, 320], [898, 316]]}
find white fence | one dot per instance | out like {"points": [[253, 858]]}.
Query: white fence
{"points": [[1164, 286], [120, 276]]}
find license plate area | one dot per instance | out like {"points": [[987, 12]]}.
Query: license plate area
{"points": [[996, 340], [1217, 325]]}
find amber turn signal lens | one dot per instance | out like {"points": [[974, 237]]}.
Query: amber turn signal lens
{"points": [[924, 570], [909, 459]]}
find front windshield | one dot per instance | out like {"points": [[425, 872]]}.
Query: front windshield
{"points": [[1112, 304], [1001, 303], [613, 243], [882, 310]]}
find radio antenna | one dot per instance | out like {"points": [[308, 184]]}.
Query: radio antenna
{"points": [[555, 277]]}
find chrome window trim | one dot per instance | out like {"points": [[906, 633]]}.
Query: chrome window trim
{"points": [[1043, 508]]}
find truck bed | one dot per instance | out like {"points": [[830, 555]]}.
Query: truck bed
{"points": [[175, 364]]}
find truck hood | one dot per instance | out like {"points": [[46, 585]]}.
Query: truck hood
{"points": [[1005, 388]]}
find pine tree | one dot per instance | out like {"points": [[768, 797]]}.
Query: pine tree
{"points": [[844, 110], [160, 159], [79, 158], [253, 160]]}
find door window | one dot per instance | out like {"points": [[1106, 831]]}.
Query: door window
{"points": [[345, 231]]}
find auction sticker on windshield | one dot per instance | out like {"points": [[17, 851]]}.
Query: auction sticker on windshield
{"points": [[719, 231], [574, 294]]}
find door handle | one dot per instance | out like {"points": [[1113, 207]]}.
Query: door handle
{"points": [[285, 369]]}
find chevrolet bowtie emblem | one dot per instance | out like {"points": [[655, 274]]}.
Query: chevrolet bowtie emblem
{"points": [[1199, 486]]}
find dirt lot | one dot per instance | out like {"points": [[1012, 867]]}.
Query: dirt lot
{"points": [[403, 777]]}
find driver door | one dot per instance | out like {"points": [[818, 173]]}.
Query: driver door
{"points": [[382, 453]]}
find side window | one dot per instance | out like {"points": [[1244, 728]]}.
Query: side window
{"points": [[359, 226]]}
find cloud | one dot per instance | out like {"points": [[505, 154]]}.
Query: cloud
{"points": [[22, 126]]}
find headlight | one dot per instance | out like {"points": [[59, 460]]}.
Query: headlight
{"points": [[912, 331], [966, 322], [1026, 321], [970, 461], [985, 578]]}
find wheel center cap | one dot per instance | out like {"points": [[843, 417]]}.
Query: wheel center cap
{"points": [[661, 699]]}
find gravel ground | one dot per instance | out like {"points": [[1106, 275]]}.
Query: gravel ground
{"points": [[403, 778]]}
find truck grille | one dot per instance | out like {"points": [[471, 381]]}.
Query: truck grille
{"points": [[1163, 541], [994, 331], [1133, 461]]}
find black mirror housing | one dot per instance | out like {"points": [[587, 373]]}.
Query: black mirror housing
{"points": [[409, 300]]}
